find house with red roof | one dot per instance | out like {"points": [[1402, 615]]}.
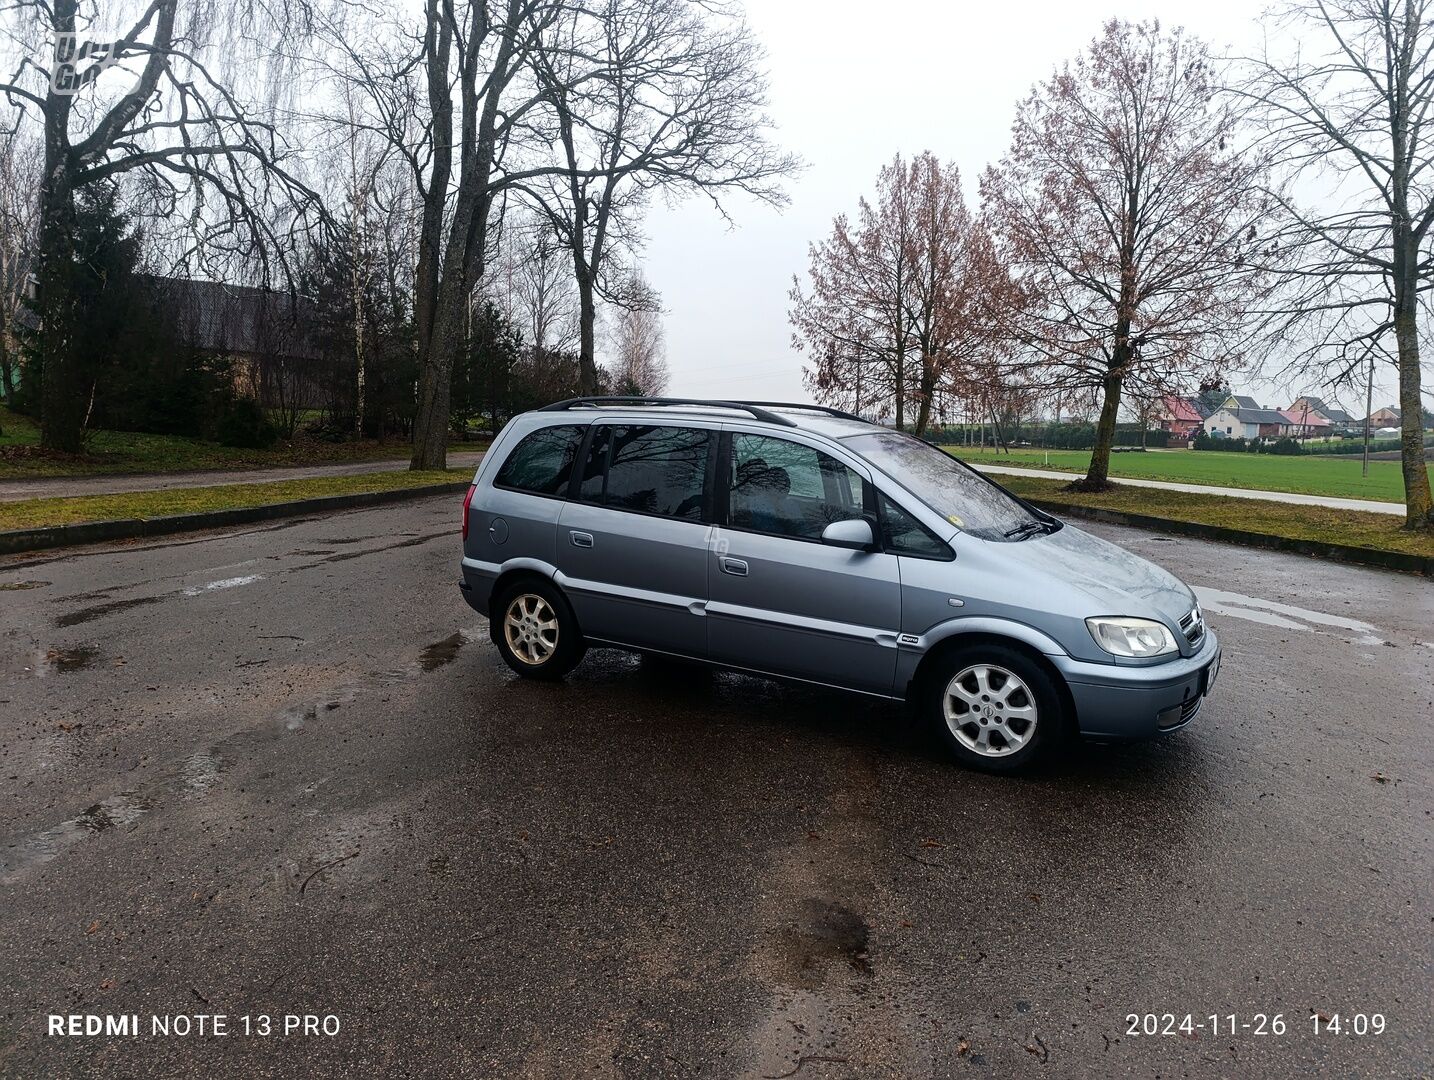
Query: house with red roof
{"points": [[1305, 423], [1179, 416]]}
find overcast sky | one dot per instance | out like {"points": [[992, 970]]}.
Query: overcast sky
{"points": [[852, 84]]}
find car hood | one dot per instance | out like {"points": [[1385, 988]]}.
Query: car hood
{"points": [[1117, 581]]}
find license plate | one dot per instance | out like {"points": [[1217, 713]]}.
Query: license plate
{"points": [[1210, 672]]}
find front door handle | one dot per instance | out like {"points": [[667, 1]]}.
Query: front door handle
{"points": [[581, 539], [732, 566]]}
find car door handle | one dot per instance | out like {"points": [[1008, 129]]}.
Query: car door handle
{"points": [[732, 566], [581, 539]]}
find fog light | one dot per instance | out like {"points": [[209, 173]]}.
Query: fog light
{"points": [[1168, 718]]}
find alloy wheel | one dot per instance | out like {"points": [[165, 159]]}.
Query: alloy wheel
{"points": [[989, 710], [530, 628]]}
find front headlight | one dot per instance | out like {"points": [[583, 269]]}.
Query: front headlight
{"points": [[1132, 637]]}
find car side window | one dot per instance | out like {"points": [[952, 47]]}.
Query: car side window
{"points": [[542, 462], [786, 489], [650, 470], [902, 534]]}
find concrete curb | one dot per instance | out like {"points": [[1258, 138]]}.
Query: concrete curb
{"points": [[1384, 560], [94, 532]]}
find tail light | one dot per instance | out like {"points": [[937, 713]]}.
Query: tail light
{"points": [[467, 502]]}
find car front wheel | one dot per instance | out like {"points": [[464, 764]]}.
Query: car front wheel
{"points": [[994, 708]]}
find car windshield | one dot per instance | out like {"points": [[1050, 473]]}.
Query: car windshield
{"points": [[959, 495]]}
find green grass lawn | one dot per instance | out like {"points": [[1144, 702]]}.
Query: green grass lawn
{"points": [[42, 513], [1268, 472], [1381, 531], [118, 452]]}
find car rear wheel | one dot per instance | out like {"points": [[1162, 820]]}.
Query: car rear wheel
{"points": [[535, 631], [994, 708]]}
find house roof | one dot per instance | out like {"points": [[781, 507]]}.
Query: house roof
{"points": [[1261, 416], [1256, 415], [1391, 410], [1242, 402], [1299, 416], [1317, 405], [1183, 409]]}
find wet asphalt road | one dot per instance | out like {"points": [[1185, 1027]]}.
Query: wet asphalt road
{"points": [[282, 771]]}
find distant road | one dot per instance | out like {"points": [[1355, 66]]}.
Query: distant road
{"points": [[58, 487], [1369, 505]]}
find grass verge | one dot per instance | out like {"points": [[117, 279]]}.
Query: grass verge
{"points": [[42, 513], [1332, 476], [1381, 532], [120, 452]]}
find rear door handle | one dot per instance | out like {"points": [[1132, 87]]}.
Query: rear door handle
{"points": [[581, 539], [732, 566]]}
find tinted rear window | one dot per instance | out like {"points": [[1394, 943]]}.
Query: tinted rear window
{"points": [[652, 470], [542, 461]]}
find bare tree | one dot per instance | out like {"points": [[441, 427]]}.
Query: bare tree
{"points": [[1128, 212], [1349, 119], [534, 284], [640, 348], [648, 95], [193, 147], [896, 313]]}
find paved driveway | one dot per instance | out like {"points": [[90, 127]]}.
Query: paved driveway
{"points": [[281, 771]]}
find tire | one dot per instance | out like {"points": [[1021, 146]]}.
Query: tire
{"points": [[535, 630], [993, 708]]}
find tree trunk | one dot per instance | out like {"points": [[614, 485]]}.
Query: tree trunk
{"points": [[1097, 477], [435, 384], [587, 325], [1418, 506], [928, 391]]}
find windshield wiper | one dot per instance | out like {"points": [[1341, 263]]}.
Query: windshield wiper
{"points": [[1027, 528]]}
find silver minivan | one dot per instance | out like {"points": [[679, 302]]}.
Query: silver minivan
{"points": [[804, 543]]}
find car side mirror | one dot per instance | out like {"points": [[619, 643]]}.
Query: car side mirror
{"points": [[854, 533]]}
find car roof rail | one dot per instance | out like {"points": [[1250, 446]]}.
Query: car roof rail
{"points": [[599, 401], [807, 407]]}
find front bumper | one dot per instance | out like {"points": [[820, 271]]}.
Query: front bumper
{"points": [[1124, 702]]}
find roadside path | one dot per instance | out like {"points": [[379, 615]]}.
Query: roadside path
{"points": [[1368, 505], [49, 487]]}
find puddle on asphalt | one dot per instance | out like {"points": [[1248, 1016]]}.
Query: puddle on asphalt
{"points": [[442, 652], [826, 933], [48, 844], [20, 586], [1284, 616], [64, 661]]}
